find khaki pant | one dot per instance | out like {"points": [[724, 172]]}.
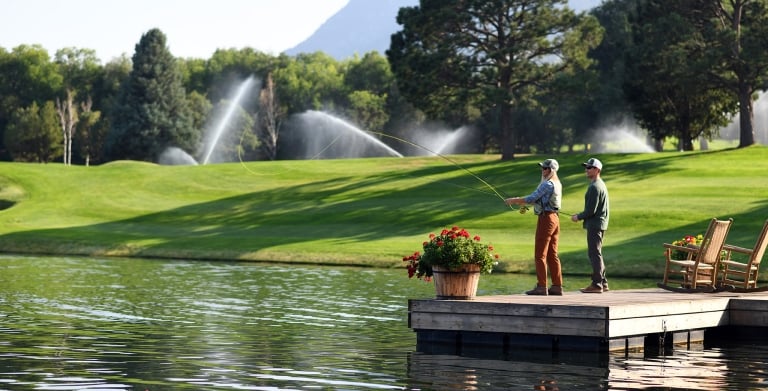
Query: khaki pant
{"points": [[595, 251], [545, 251]]}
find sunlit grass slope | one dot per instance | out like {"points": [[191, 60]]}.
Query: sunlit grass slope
{"points": [[372, 211]]}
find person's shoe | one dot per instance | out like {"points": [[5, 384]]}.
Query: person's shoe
{"points": [[592, 289], [555, 290], [538, 291], [605, 289]]}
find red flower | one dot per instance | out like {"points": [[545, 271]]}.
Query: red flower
{"points": [[452, 248]]}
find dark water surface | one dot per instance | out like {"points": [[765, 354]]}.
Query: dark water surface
{"points": [[116, 324]]}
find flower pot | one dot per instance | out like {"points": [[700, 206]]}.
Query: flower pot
{"points": [[456, 284]]}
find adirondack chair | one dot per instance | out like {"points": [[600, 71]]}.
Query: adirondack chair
{"points": [[742, 275], [697, 273]]}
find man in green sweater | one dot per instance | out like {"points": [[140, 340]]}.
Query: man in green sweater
{"points": [[595, 217]]}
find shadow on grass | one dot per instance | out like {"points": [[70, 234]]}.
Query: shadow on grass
{"points": [[346, 209], [744, 231], [350, 210]]}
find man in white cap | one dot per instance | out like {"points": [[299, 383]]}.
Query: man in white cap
{"points": [[595, 217], [546, 205]]}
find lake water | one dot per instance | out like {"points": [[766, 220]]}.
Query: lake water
{"points": [[135, 324]]}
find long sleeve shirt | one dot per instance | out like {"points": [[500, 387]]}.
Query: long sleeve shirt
{"points": [[546, 197], [595, 214]]}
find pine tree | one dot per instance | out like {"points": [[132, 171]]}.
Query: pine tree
{"points": [[152, 112], [455, 57]]}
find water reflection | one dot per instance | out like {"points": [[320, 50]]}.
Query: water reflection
{"points": [[741, 367], [82, 323]]}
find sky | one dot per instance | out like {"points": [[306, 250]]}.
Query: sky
{"points": [[193, 28]]}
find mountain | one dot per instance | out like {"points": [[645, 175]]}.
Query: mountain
{"points": [[358, 28], [367, 25]]}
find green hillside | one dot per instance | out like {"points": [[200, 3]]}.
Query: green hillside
{"points": [[373, 211]]}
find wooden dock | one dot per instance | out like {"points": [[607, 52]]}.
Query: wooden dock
{"points": [[612, 321]]}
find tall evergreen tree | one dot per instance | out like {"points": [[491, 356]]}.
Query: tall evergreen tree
{"points": [[152, 112]]}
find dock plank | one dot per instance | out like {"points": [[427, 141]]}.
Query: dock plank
{"points": [[606, 318], [664, 324], [507, 324]]}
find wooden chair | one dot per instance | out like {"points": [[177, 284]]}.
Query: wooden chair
{"points": [[699, 271], [743, 275]]}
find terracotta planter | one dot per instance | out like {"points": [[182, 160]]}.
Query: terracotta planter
{"points": [[456, 284]]}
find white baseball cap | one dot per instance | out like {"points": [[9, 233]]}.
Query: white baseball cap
{"points": [[593, 163]]}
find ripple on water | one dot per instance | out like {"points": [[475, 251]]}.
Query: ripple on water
{"points": [[68, 323]]}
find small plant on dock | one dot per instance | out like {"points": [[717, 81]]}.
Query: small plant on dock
{"points": [[451, 249]]}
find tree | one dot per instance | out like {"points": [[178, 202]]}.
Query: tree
{"points": [[459, 53], [370, 73], [90, 138], [201, 109], [368, 110], [114, 74], [369, 80], [602, 102], [610, 57], [228, 67], [271, 118], [33, 134], [80, 70], [26, 76], [309, 82], [667, 96], [730, 50], [152, 111], [195, 75], [68, 119]]}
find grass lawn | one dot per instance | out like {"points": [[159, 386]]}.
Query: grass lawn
{"points": [[373, 211]]}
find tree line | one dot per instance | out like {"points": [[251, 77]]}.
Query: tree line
{"points": [[528, 75]]}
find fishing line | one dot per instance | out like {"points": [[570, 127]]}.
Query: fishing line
{"points": [[522, 209], [240, 153], [493, 191], [317, 155], [450, 183]]}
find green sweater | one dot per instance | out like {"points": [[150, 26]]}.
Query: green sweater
{"points": [[595, 214]]}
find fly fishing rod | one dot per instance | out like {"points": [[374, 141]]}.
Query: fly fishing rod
{"points": [[493, 191]]}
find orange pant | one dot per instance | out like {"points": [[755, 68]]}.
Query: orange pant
{"points": [[545, 251]]}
